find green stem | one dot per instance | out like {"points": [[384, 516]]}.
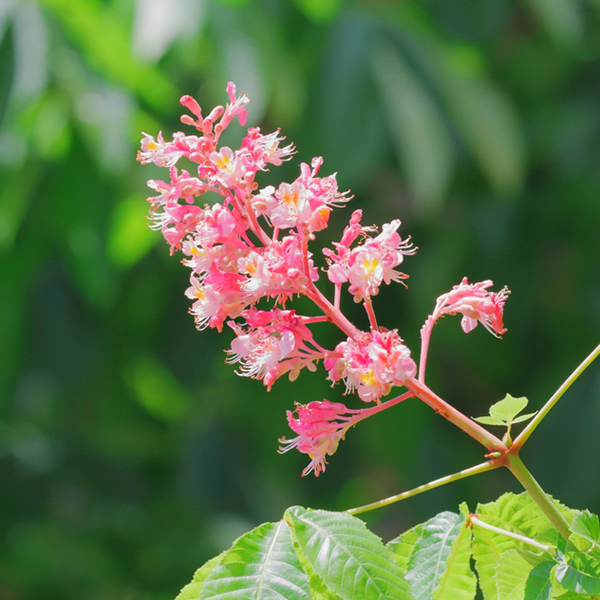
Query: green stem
{"points": [[486, 466], [515, 536], [520, 471], [524, 435]]}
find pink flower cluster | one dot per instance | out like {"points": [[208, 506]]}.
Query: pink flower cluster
{"points": [[273, 343], [371, 363], [475, 304], [253, 246], [369, 264], [320, 426]]}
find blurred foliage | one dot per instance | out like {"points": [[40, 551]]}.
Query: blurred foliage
{"points": [[129, 452]]}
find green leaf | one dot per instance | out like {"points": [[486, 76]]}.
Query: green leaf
{"points": [[459, 581], [463, 507], [261, 564], [513, 570], [427, 563], [526, 417], [192, 590], [516, 513], [505, 412], [490, 421], [403, 546], [350, 559], [580, 574], [539, 582], [508, 408], [586, 525], [318, 588]]}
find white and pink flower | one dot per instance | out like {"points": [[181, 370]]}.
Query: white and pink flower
{"points": [[320, 426], [476, 305], [371, 364]]}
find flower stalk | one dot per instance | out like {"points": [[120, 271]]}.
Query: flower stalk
{"points": [[481, 468], [452, 414]]}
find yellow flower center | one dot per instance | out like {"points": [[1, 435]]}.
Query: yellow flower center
{"points": [[368, 378], [291, 199], [370, 266]]}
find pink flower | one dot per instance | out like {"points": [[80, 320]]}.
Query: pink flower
{"points": [[320, 426], [236, 108], [292, 207], [158, 152], [272, 344], [260, 150], [371, 364], [207, 302], [475, 304], [371, 263]]}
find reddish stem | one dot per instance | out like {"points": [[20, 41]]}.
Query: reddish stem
{"points": [[371, 313], [334, 314], [476, 431]]}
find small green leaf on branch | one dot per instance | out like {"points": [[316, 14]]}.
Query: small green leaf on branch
{"points": [[506, 412]]}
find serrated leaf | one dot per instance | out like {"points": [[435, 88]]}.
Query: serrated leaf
{"points": [[513, 569], [350, 559], [586, 525], [192, 590], [318, 588], [508, 408], [403, 546], [427, 563], [464, 509], [520, 513], [459, 581], [539, 582], [261, 564], [580, 574], [516, 513]]}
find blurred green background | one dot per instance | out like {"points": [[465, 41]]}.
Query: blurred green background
{"points": [[129, 452]]}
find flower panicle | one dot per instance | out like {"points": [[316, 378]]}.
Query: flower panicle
{"points": [[251, 249]]}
